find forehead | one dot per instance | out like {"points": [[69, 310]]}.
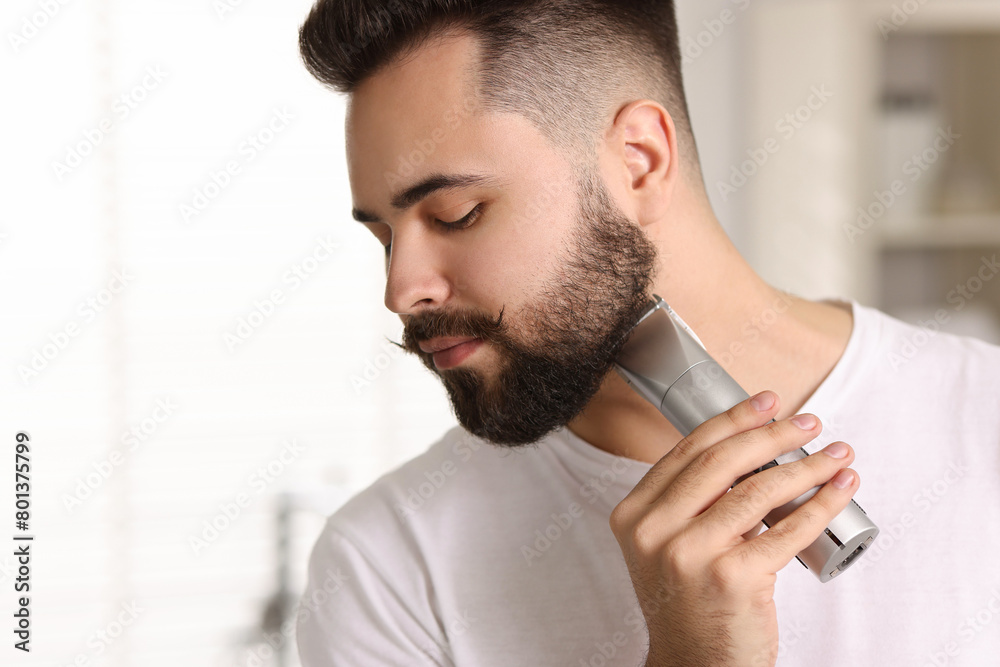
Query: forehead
{"points": [[434, 77], [420, 116]]}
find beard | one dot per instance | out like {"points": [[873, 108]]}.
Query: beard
{"points": [[564, 343]]}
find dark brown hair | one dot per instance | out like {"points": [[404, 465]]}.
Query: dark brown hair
{"points": [[567, 65]]}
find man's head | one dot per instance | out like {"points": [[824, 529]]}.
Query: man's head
{"points": [[481, 140], [564, 64]]}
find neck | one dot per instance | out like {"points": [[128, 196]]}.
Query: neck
{"points": [[763, 337]]}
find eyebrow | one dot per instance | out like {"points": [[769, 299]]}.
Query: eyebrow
{"points": [[414, 194]]}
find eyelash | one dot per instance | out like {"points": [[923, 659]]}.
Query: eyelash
{"points": [[465, 221]]}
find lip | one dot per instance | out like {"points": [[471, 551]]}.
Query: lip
{"points": [[438, 344], [450, 352]]}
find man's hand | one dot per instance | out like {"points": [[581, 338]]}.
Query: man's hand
{"points": [[703, 575]]}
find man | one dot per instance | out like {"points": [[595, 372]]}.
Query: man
{"points": [[530, 168]]}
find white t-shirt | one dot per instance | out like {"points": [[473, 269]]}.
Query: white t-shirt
{"points": [[474, 555]]}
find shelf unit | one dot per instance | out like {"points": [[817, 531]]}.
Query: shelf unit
{"points": [[898, 82], [940, 77]]}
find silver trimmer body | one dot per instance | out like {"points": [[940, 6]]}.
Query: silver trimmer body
{"points": [[665, 362]]}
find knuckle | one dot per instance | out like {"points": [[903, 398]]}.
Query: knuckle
{"points": [[736, 415], [644, 537], [679, 554], [738, 418], [731, 515], [619, 518], [777, 432], [778, 437], [822, 504], [726, 571], [801, 522], [711, 459], [761, 436], [755, 486], [807, 517], [783, 530], [779, 532], [741, 417], [684, 488], [782, 474], [654, 477], [685, 448], [754, 494], [764, 548]]}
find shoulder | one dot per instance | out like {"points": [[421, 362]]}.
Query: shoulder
{"points": [[370, 594], [920, 374], [926, 350]]}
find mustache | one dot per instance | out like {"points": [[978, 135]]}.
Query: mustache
{"points": [[444, 324]]}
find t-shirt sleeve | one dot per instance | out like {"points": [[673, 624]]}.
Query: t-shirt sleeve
{"points": [[352, 615]]}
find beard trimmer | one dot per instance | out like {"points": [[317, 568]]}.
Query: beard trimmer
{"points": [[666, 363]]}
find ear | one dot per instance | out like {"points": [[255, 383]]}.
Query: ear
{"points": [[643, 142]]}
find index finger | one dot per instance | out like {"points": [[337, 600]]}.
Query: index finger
{"points": [[749, 414]]}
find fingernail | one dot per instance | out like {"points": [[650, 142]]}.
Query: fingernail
{"points": [[804, 422], [837, 450], [763, 401], [843, 479]]}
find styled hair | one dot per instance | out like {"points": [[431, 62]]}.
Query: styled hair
{"points": [[566, 65]]}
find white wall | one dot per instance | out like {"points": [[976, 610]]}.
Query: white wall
{"points": [[161, 338]]}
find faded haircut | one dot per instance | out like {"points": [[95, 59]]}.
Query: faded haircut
{"points": [[567, 65]]}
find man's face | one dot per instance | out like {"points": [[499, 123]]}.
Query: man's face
{"points": [[543, 269]]}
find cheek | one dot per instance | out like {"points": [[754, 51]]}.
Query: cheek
{"points": [[509, 263]]}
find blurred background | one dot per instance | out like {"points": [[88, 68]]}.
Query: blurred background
{"points": [[193, 332]]}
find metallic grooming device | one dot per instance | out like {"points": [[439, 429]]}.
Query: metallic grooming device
{"points": [[666, 363]]}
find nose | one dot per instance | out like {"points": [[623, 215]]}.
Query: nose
{"points": [[416, 278]]}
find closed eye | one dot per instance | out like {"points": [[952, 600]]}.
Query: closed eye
{"points": [[465, 221]]}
